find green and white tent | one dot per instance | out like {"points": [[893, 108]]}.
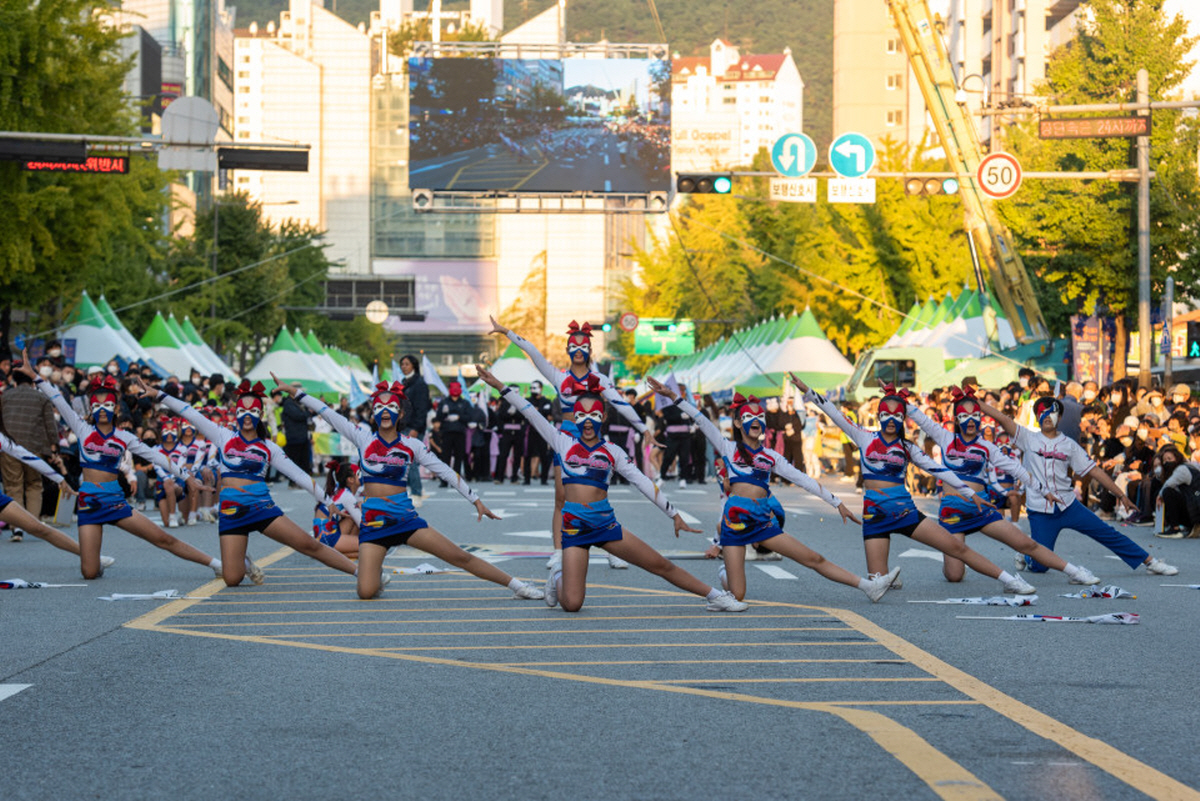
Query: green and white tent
{"points": [[810, 355], [96, 342], [164, 346], [335, 374], [217, 364], [293, 365], [514, 367], [114, 322]]}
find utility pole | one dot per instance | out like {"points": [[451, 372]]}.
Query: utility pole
{"points": [[1145, 330]]}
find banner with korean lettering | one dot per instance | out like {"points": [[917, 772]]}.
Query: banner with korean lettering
{"points": [[1092, 346]]}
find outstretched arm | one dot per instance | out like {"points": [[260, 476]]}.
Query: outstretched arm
{"points": [[208, 428], [443, 471], [936, 432], [624, 465], [68, 415], [707, 427], [544, 427], [1004, 421], [552, 373], [27, 457], [152, 455], [340, 424], [296, 474]]}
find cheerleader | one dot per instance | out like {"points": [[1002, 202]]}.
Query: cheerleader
{"points": [[168, 493], [969, 456], [387, 517], [587, 464], [246, 455], [887, 505], [101, 501], [336, 525], [193, 457], [752, 514], [568, 384]]}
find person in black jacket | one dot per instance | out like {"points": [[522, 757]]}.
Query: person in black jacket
{"points": [[535, 446], [416, 393], [511, 427], [454, 413], [481, 426], [678, 428], [295, 430]]}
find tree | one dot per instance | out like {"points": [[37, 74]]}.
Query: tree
{"points": [[61, 72], [1080, 238]]}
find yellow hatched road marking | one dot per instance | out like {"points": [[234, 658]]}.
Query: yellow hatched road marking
{"points": [[946, 778], [517, 633], [709, 662]]}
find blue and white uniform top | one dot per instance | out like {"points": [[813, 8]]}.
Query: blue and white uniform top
{"points": [[387, 462], [970, 460], [344, 503], [882, 460], [763, 461], [570, 386], [591, 466], [26, 457], [243, 458], [98, 451], [176, 456], [1050, 460]]}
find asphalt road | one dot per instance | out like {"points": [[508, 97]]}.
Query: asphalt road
{"points": [[446, 688], [596, 168]]}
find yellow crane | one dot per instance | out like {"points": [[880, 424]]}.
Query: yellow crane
{"points": [[930, 61]]}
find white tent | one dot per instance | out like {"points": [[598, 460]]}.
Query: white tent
{"points": [[96, 342]]}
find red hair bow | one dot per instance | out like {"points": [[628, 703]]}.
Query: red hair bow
{"points": [[575, 329], [257, 389], [396, 388], [739, 402], [962, 393], [106, 384], [890, 390], [590, 385], [332, 464]]}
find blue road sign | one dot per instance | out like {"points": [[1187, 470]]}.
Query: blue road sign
{"points": [[851, 155], [794, 155]]}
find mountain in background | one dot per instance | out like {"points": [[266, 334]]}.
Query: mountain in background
{"points": [[806, 26]]}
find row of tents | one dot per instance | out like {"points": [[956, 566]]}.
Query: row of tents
{"points": [[171, 347], [959, 326]]}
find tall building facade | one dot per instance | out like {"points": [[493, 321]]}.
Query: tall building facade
{"points": [[999, 48], [874, 90], [307, 80], [726, 106]]}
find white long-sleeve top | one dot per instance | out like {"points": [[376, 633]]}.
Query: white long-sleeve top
{"points": [[969, 459], [570, 386], [763, 461], [244, 458], [384, 462], [99, 451], [883, 460], [19, 452], [592, 466]]}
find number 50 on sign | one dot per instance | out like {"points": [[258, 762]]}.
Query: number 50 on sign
{"points": [[999, 175]]}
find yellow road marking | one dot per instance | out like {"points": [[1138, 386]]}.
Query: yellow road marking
{"points": [[1136, 774], [529, 177], [517, 633], [944, 776], [542, 619], [709, 662], [406, 649]]}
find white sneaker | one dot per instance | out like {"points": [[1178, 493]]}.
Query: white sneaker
{"points": [[1083, 576], [682, 483], [174, 522], [725, 602], [897, 584], [216, 569], [384, 580], [1019, 586], [417, 501], [528, 592], [879, 585], [616, 562], [555, 561], [723, 577], [189, 521], [106, 562], [753, 555], [1160, 568], [255, 573], [1019, 562], [550, 594]]}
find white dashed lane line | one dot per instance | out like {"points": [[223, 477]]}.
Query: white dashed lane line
{"points": [[9, 690], [776, 572]]}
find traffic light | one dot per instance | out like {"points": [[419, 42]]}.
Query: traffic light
{"points": [[1193, 340], [606, 327], [930, 186], [720, 183]]}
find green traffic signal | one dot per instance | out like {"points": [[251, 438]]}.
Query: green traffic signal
{"points": [[930, 186], [704, 183]]}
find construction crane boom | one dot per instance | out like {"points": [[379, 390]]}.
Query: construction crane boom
{"points": [[930, 62]]}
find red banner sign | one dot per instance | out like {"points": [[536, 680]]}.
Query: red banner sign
{"points": [[101, 164]]}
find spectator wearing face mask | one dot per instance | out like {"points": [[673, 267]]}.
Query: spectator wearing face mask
{"points": [[1179, 496], [1181, 397]]}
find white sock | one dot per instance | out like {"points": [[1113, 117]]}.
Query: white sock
{"points": [[516, 584], [713, 592], [215, 564], [247, 563], [863, 584], [1070, 569], [1005, 577], [355, 571]]}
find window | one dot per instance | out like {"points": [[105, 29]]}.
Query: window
{"points": [[895, 118], [354, 294], [729, 101], [244, 74], [895, 81], [901, 373], [893, 45]]}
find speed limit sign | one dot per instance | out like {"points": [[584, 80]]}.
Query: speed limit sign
{"points": [[628, 321], [999, 175]]}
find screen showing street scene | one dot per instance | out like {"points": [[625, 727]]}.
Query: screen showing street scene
{"points": [[571, 125]]}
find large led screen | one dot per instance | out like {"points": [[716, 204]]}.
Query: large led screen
{"points": [[570, 125]]}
